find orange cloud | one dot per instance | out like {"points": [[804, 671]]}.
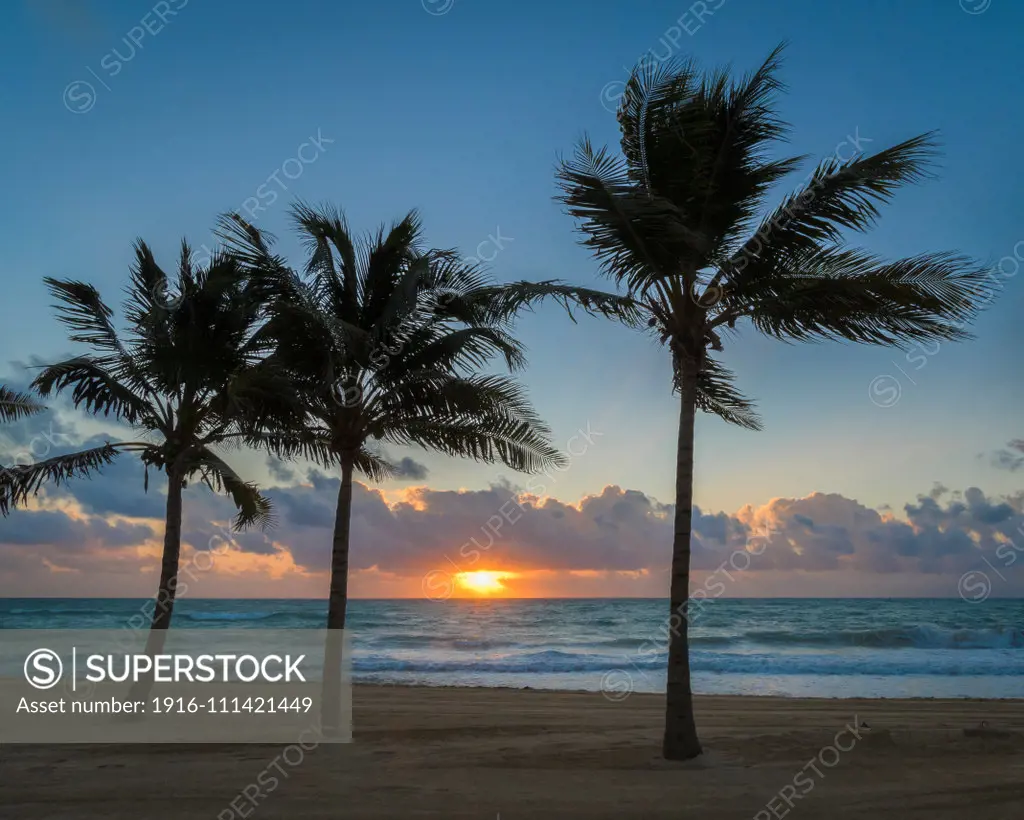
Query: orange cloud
{"points": [[419, 542]]}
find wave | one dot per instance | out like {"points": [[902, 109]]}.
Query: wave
{"points": [[644, 644], [238, 616], [71, 611], [923, 636], [550, 660], [421, 641], [653, 665], [873, 665]]}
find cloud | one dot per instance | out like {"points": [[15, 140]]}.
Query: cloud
{"points": [[64, 533], [280, 471], [1011, 459], [39, 436], [618, 541], [408, 468], [119, 488]]}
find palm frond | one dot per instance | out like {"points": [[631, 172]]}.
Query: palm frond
{"points": [[14, 405], [388, 258], [703, 143], [451, 274], [19, 483], [717, 395], [486, 418], [635, 234], [404, 299], [853, 296], [326, 233], [94, 389], [502, 302], [459, 349], [839, 195], [309, 443], [374, 466], [80, 308], [488, 439], [253, 507], [244, 242]]}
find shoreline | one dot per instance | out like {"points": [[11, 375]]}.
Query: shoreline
{"points": [[697, 695], [477, 752]]}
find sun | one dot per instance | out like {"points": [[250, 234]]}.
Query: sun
{"points": [[482, 582]]}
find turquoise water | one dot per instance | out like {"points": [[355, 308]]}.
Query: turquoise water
{"points": [[791, 647]]}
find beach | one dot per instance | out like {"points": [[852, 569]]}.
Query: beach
{"points": [[591, 433], [480, 754]]}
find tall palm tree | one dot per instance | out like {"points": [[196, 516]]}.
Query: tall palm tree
{"points": [[384, 341], [20, 482], [190, 376], [675, 220]]}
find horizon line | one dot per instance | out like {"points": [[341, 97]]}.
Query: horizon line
{"points": [[531, 598]]}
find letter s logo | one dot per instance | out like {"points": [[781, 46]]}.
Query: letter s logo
{"points": [[43, 668]]}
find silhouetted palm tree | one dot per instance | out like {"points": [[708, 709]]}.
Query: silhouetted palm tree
{"points": [[190, 376], [676, 221], [385, 341], [20, 482]]}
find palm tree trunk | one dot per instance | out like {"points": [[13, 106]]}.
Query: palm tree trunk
{"points": [[680, 741], [337, 602], [164, 606]]}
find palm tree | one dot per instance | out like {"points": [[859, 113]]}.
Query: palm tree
{"points": [[384, 341], [190, 377], [675, 221], [20, 482]]}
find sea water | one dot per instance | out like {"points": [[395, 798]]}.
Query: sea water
{"points": [[788, 647]]}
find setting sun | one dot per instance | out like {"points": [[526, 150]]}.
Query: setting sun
{"points": [[482, 582]]}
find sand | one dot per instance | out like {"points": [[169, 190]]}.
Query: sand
{"points": [[482, 754]]}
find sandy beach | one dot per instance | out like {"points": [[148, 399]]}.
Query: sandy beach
{"points": [[483, 753]]}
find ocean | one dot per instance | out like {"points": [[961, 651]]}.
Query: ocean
{"points": [[832, 648]]}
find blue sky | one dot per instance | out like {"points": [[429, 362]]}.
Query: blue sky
{"points": [[462, 115]]}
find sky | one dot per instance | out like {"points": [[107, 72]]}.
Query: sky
{"points": [[136, 119]]}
